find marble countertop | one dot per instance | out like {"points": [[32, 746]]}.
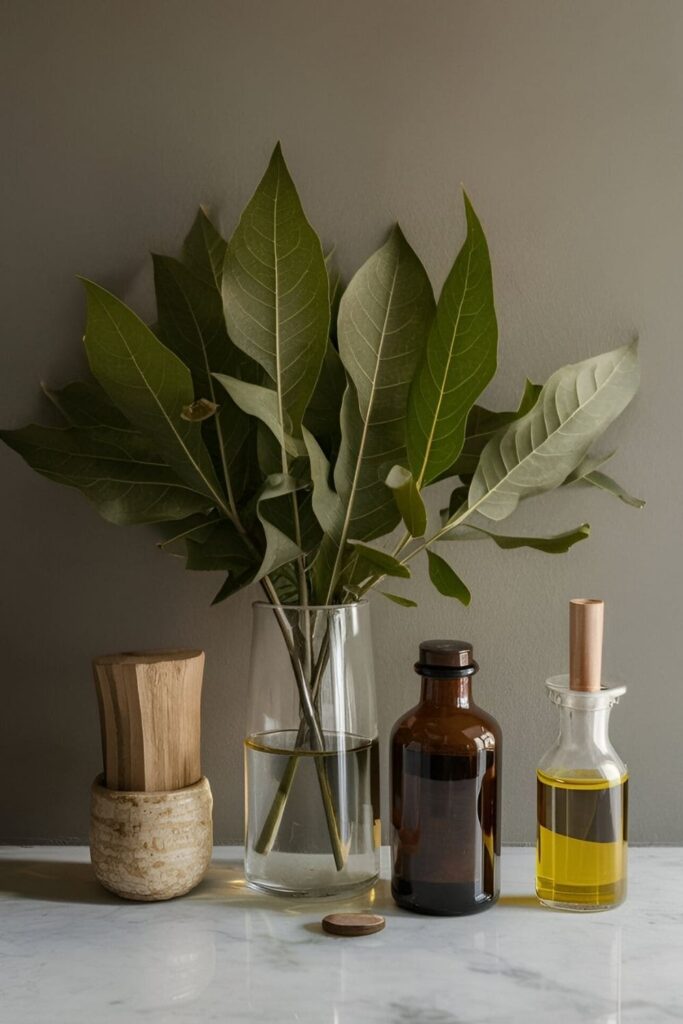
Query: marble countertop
{"points": [[69, 952]]}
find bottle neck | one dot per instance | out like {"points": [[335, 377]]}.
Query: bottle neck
{"points": [[581, 727], [447, 693]]}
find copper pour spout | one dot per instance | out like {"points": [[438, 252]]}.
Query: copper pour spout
{"points": [[586, 621]]}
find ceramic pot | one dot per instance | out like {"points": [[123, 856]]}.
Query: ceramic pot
{"points": [[150, 846]]}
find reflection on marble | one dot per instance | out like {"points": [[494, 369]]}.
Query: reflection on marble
{"points": [[70, 952]]}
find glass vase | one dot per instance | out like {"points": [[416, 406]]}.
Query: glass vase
{"points": [[311, 752]]}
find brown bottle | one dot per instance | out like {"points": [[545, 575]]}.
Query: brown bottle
{"points": [[445, 784]]}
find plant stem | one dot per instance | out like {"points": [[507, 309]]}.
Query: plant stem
{"points": [[446, 528], [272, 823], [311, 725]]}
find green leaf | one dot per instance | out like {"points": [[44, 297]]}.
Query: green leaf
{"points": [[275, 291], [446, 581], [587, 465], [383, 321], [327, 504], [86, 404], [263, 404], [204, 250], [537, 452], [557, 544], [234, 582], [606, 483], [150, 385], [381, 560], [116, 470], [459, 360], [408, 499], [197, 527], [457, 500], [191, 323], [322, 414], [482, 424], [586, 473], [223, 549], [279, 548], [404, 602]]}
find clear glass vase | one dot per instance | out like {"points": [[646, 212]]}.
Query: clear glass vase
{"points": [[311, 752]]}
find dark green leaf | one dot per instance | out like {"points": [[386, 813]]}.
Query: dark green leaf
{"points": [[458, 362], [556, 544], [117, 470], [150, 385], [405, 602], [322, 414], [204, 251], [86, 404], [446, 581], [223, 549], [381, 560]]}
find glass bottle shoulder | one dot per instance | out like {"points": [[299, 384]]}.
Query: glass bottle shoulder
{"points": [[464, 729], [582, 763]]}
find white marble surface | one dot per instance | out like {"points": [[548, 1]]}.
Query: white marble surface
{"points": [[71, 953]]}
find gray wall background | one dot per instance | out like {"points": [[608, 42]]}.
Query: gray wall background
{"points": [[563, 119]]}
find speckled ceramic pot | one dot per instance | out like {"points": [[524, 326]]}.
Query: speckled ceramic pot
{"points": [[151, 846]]}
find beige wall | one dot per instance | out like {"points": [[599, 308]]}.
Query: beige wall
{"points": [[564, 121]]}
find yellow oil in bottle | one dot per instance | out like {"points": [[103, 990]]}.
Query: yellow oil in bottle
{"points": [[581, 845]]}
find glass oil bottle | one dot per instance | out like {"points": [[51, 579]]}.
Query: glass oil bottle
{"points": [[445, 782], [582, 782]]}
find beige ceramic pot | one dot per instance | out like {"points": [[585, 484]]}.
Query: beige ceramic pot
{"points": [[150, 846]]}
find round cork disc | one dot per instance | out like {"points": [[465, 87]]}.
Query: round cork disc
{"points": [[353, 924]]}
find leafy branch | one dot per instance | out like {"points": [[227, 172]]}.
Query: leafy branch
{"points": [[278, 428]]}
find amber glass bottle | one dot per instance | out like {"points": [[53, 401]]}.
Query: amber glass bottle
{"points": [[445, 784]]}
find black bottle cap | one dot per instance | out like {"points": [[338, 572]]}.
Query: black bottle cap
{"points": [[446, 658]]}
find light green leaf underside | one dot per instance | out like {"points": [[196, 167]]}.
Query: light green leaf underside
{"points": [[327, 504], [587, 473], [150, 385], [115, 469], [408, 499], [446, 580], [279, 548], [606, 483], [538, 452], [263, 404], [459, 360], [275, 290], [482, 424]]}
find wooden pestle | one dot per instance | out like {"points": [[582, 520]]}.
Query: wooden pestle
{"points": [[149, 707], [586, 622]]}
